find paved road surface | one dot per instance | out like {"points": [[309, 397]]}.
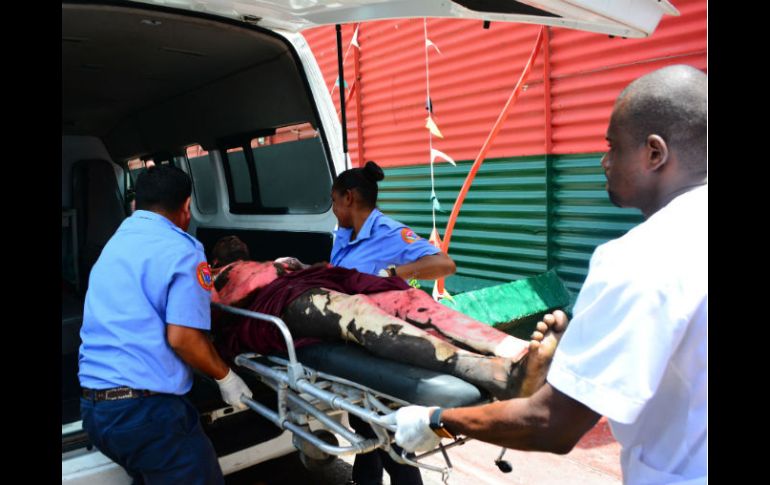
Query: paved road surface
{"points": [[594, 461]]}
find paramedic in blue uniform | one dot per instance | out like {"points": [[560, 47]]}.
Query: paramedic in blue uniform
{"points": [[144, 329], [371, 242]]}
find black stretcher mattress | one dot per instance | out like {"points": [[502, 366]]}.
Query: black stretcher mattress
{"points": [[413, 384]]}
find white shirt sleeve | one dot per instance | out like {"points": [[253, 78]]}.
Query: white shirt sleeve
{"points": [[617, 347]]}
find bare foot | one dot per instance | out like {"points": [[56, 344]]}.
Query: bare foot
{"points": [[531, 372]]}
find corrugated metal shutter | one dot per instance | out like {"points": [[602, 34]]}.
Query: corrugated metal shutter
{"points": [[476, 71], [588, 71], [470, 82], [583, 216], [504, 231], [500, 234]]}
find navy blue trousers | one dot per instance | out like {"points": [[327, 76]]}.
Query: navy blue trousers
{"points": [[158, 439], [368, 467]]}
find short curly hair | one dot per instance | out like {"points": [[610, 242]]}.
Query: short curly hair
{"points": [[227, 250]]}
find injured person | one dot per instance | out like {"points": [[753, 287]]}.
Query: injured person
{"points": [[382, 314]]}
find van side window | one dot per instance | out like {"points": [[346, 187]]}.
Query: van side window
{"points": [[239, 176], [204, 192], [138, 165], [135, 167], [283, 173]]}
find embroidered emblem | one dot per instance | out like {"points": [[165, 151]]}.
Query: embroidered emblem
{"points": [[408, 235], [204, 276]]}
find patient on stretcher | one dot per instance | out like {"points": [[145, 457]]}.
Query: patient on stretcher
{"points": [[384, 315]]}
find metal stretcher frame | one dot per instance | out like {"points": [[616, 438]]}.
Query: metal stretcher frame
{"points": [[303, 392]]}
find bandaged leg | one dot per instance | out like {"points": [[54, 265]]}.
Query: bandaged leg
{"points": [[331, 315], [419, 309]]}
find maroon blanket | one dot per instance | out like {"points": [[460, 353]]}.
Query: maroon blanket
{"points": [[250, 335]]}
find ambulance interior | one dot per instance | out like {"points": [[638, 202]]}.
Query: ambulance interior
{"points": [[233, 108]]}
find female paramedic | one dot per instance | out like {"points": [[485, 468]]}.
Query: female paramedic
{"points": [[371, 242]]}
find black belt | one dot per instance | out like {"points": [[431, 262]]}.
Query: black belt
{"points": [[115, 393]]}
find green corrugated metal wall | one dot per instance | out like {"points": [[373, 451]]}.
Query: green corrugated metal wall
{"points": [[503, 232], [583, 216]]}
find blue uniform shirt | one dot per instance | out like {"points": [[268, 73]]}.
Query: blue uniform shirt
{"points": [[150, 273], [381, 242]]}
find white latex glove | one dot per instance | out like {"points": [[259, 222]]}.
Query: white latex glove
{"points": [[383, 272], [413, 431], [231, 387], [293, 264]]}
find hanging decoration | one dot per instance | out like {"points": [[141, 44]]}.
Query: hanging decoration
{"points": [[353, 42], [438, 293], [431, 126], [435, 203], [337, 82], [486, 146], [434, 153], [429, 43], [350, 89], [433, 130]]}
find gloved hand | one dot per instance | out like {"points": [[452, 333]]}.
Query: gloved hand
{"points": [[385, 272], [291, 263], [231, 387], [413, 431]]}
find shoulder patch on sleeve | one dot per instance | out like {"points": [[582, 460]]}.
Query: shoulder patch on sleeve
{"points": [[204, 276], [408, 235]]}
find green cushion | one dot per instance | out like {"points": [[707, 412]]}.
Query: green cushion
{"points": [[514, 307]]}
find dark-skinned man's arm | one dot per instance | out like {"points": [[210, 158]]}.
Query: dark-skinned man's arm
{"points": [[193, 346], [429, 267], [549, 420]]}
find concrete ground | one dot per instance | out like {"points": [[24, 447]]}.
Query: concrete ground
{"points": [[595, 461]]}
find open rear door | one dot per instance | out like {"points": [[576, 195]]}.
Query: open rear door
{"points": [[625, 18]]}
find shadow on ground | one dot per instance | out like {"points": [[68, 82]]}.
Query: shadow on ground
{"points": [[599, 435], [289, 470]]}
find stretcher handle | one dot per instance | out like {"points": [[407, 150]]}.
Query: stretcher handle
{"points": [[363, 446]]}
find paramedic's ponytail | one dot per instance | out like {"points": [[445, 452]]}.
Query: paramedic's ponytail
{"points": [[362, 180], [373, 172]]}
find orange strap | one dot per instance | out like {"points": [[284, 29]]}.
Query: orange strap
{"points": [[485, 148]]}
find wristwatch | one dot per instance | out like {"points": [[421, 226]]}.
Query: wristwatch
{"points": [[391, 270], [437, 425]]}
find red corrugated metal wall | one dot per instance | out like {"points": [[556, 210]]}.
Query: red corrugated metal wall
{"points": [[588, 72], [474, 75]]}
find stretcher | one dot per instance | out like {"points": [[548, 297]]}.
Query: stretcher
{"points": [[324, 382]]}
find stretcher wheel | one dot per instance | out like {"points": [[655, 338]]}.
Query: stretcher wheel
{"points": [[311, 457]]}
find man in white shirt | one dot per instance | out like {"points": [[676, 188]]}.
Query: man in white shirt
{"points": [[635, 350]]}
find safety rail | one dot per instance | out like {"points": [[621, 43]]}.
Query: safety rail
{"points": [[301, 390]]}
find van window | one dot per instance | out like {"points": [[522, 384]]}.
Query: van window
{"points": [[240, 178], [204, 192], [135, 167], [285, 173]]}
